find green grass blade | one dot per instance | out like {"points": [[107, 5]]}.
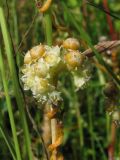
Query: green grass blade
{"points": [[17, 91], [9, 106], [7, 142]]}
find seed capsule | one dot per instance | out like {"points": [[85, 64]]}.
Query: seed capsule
{"points": [[71, 43], [37, 52], [73, 59], [27, 58]]}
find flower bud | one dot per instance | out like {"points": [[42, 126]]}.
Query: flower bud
{"points": [[27, 58], [71, 43], [37, 52]]}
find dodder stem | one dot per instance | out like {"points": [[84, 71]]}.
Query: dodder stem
{"points": [[48, 27], [48, 34]]}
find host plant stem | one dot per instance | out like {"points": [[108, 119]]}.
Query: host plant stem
{"points": [[16, 86], [9, 106], [48, 34]]}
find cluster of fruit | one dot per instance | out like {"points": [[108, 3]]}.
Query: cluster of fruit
{"points": [[43, 64]]}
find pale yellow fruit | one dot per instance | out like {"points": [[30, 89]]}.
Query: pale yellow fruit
{"points": [[71, 43], [73, 59], [37, 52], [27, 58]]}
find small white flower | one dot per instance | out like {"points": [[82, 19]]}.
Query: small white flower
{"points": [[52, 60], [40, 86], [52, 56], [41, 68], [55, 97], [54, 50], [80, 79]]}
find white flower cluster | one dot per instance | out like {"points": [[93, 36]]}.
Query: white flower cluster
{"points": [[42, 65]]}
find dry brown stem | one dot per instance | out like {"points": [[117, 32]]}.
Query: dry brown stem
{"points": [[102, 47]]}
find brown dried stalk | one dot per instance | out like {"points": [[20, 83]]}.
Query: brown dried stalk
{"points": [[102, 47], [109, 21]]}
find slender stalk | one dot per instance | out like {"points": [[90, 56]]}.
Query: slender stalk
{"points": [[102, 82], [48, 27], [15, 22], [9, 106], [48, 34], [89, 102], [17, 90], [109, 20], [54, 135], [53, 129], [7, 142], [108, 126], [79, 119], [80, 124], [111, 148], [100, 146]]}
